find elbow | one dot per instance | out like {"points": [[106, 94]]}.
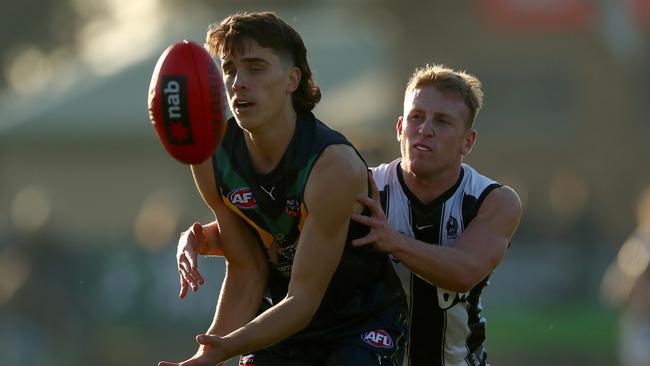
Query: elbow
{"points": [[304, 309], [310, 309], [464, 282], [471, 274], [464, 285], [252, 273]]}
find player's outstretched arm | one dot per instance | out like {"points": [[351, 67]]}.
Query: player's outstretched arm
{"points": [[460, 267], [246, 269], [478, 250]]}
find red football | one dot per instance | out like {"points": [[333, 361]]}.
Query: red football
{"points": [[185, 102]]}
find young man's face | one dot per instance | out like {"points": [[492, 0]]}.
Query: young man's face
{"points": [[258, 84], [432, 133]]}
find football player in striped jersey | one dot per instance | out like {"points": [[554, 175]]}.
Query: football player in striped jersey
{"points": [[445, 225]]}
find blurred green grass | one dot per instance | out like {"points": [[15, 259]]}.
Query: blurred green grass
{"points": [[561, 335]]}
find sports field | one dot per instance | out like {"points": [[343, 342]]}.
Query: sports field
{"points": [[575, 335]]}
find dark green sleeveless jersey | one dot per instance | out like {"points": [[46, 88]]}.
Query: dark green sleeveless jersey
{"points": [[364, 284]]}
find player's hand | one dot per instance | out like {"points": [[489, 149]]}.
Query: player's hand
{"points": [[188, 267], [210, 353], [381, 235]]}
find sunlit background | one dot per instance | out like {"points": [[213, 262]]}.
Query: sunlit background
{"points": [[91, 206]]}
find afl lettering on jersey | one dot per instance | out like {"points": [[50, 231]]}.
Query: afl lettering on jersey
{"points": [[447, 299], [378, 338], [242, 198]]}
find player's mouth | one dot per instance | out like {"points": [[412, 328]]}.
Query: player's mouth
{"points": [[421, 147], [242, 105]]}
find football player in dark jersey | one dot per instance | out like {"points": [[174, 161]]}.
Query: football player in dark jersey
{"points": [[283, 188]]}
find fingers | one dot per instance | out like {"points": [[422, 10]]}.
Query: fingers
{"points": [[186, 270], [193, 278], [194, 266], [363, 240], [197, 230], [208, 340], [184, 286], [372, 204], [187, 256], [362, 219]]}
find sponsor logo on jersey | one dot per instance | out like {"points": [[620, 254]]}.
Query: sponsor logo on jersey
{"points": [[452, 227], [447, 299], [242, 198], [293, 208], [378, 338]]}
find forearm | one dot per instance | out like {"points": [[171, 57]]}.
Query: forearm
{"points": [[274, 325], [442, 266], [239, 300]]}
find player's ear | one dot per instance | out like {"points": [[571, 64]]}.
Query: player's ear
{"points": [[294, 79], [468, 141], [398, 127]]}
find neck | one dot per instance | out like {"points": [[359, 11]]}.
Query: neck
{"points": [[267, 144], [429, 187]]}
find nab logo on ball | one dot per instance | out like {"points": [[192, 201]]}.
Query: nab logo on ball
{"points": [[378, 338], [242, 198], [177, 123]]}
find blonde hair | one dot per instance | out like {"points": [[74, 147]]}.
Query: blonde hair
{"points": [[446, 79]]}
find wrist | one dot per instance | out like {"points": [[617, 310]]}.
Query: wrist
{"points": [[397, 243]]}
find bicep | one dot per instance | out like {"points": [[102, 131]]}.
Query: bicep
{"points": [[487, 237], [236, 239], [322, 239]]}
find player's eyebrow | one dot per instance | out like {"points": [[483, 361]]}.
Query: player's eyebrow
{"points": [[252, 60], [246, 60]]}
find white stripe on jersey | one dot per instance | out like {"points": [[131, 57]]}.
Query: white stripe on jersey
{"points": [[457, 309]]}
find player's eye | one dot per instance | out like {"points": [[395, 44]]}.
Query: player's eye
{"points": [[256, 69], [416, 116]]}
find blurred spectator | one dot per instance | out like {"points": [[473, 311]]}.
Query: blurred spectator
{"points": [[626, 284]]}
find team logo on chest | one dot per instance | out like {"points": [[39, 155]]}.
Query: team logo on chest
{"points": [[293, 208], [242, 197], [452, 227]]}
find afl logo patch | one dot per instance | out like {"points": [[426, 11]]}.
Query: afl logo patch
{"points": [[378, 338], [242, 198]]}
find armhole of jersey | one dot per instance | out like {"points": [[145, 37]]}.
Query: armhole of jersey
{"points": [[215, 173], [317, 156], [484, 194]]}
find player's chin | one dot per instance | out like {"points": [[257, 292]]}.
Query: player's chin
{"points": [[247, 121]]}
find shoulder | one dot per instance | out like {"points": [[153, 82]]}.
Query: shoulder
{"points": [[494, 199], [205, 181], [476, 181], [383, 173], [342, 160], [503, 201], [339, 173]]}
